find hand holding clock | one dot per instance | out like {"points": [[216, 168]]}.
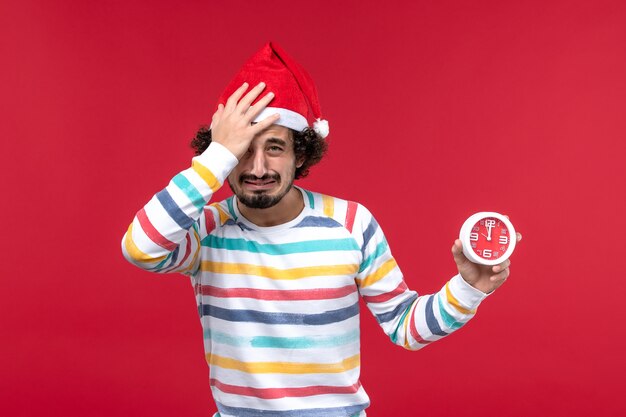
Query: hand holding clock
{"points": [[484, 263]]}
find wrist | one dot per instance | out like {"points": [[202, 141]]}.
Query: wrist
{"points": [[218, 160], [469, 295]]}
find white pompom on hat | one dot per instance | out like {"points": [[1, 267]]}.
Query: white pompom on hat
{"points": [[295, 94]]}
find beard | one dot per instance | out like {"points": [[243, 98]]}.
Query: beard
{"points": [[259, 199]]}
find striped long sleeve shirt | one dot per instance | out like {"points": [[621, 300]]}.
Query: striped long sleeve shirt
{"points": [[279, 305]]}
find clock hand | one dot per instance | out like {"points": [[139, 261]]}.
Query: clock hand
{"points": [[488, 237]]}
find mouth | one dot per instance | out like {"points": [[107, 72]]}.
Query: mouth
{"points": [[259, 184]]}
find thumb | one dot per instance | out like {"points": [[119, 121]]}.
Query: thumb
{"points": [[217, 115], [457, 252]]}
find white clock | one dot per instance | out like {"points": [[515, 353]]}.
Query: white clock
{"points": [[488, 238]]}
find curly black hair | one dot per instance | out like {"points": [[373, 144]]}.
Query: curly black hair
{"points": [[306, 144]]}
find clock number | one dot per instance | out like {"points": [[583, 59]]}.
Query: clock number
{"points": [[490, 223], [503, 240], [474, 237], [486, 253]]}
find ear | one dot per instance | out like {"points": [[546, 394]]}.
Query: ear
{"points": [[300, 162]]}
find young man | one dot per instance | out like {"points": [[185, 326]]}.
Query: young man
{"points": [[277, 270]]}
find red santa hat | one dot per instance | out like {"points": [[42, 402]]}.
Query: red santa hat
{"points": [[295, 93]]}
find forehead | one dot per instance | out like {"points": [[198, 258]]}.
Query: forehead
{"points": [[274, 132]]}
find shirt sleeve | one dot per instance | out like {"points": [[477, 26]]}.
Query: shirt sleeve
{"points": [[410, 320], [165, 234]]}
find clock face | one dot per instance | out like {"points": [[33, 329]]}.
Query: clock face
{"points": [[489, 238]]}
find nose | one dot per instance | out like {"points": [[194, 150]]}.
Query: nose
{"points": [[259, 163]]}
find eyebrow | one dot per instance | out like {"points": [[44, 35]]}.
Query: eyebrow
{"points": [[277, 141]]}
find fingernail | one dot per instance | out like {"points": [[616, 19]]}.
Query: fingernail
{"points": [[261, 84], [270, 94]]}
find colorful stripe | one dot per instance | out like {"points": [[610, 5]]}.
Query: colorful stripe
{"points": [[275, 273], [277, 318], [173, 210], [329, 205], [190, 191], [350, 215], [274, 393], [223, 215], [171, 264], [327, 245], [450, 322], [369, 232], [455, 303], [405, 325], [231, 209], [304, 342], [195, 254], [206, 174], [242, 226], [413, 329], [381, 298], [377, 275], [311, 198], [209, 221], [314, 221], [165, 265], [401, 324], [431, 320], [400, 308], [136, 253], [153, 233], [279, 295], [297, 368], [273, 342], [381, 248], [351, 410]]}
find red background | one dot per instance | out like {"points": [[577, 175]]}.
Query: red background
{"points": [[437, 110]]}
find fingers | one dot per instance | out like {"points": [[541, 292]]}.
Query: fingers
{"points": [[243, 106], [457, 247], [240, 102], [501, 271], [501, 267], [233, 123], [232, 101], [217, 115], [500, 277], [457, 252], [265, 123], [255, 110], [248, 99]]}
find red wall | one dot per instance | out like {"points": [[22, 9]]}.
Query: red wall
{"points": [[437, 110]]}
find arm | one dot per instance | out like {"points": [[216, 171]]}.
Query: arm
{"points": [[165, 234], [410, 320]]}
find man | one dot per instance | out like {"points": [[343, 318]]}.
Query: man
{"points": [[277, 270]]}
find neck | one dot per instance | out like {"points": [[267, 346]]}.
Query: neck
{"points": [[287, 209]]}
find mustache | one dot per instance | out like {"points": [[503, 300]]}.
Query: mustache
{"points": [[250, 177]]}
